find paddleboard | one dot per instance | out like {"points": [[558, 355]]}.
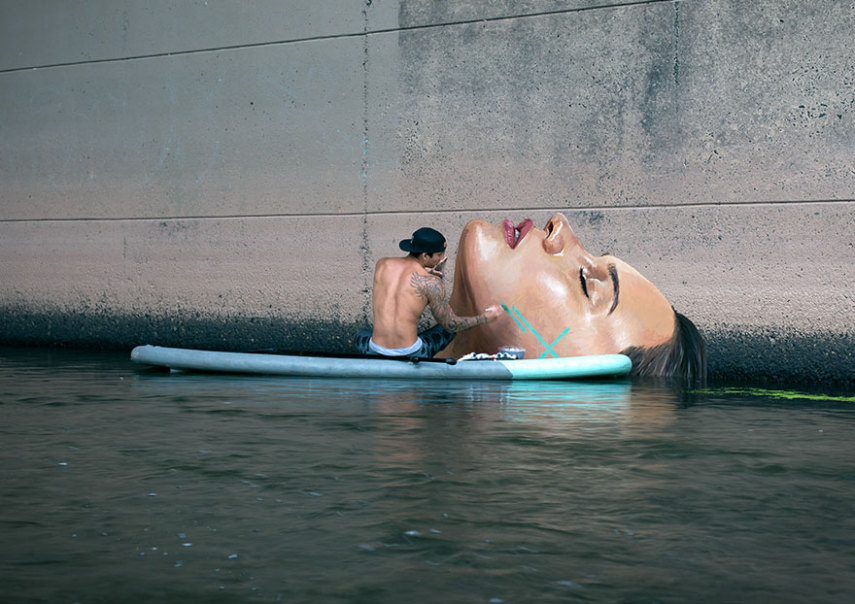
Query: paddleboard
{"points": [[185, 359]]}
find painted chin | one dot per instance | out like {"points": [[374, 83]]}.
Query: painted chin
{"points": [[514, 233], [487, 266]]}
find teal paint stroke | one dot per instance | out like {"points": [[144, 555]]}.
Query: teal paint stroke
{"points": [[513, 316], [520, 320]]}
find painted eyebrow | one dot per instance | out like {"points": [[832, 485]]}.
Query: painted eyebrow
{"points": [[616, 283]]}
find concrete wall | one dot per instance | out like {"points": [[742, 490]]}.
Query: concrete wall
{"points": [[223, 174]]}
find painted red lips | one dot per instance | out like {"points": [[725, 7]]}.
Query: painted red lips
{"points": [[515, 233]]}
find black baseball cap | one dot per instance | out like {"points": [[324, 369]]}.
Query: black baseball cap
{"points": [[425, 240]]}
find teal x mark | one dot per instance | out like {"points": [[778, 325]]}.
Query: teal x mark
{"points": [[526, 326]]}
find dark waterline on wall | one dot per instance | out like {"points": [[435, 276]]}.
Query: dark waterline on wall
{"points": [[761, 356]]}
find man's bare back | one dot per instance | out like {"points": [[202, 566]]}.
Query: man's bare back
{"points": [[397, 305], [403, 288]]}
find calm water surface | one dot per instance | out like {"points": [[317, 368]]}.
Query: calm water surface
{"points": [[121, 484]]}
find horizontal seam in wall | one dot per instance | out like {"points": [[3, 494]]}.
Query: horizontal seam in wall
{"points": [[360, 34], [666, 207]]}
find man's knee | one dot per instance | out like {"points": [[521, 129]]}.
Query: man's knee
{"points": [[435, 339]]}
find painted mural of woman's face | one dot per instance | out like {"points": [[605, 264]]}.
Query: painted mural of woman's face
{"points": [[561, 300]]}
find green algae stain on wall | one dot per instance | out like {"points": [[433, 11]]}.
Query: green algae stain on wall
{"points": [[777, 394]]}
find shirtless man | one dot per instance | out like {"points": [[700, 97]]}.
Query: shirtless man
{"points": [[403, 288]]}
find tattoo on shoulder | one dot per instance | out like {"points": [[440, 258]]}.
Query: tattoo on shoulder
{"points": [[427, 287], [433, 289]]}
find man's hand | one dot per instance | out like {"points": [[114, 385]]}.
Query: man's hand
{"points": [[492, 313], [440, 266]]}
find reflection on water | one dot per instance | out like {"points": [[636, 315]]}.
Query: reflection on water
{"points": [[121, 484]]}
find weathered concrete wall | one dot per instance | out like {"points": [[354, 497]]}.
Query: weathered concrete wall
{"points": [[225, 174]]}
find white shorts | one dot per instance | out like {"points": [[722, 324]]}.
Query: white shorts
{"points": [[395, 352]]}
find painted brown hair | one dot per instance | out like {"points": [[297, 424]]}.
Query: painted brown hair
{"points": [[683, 356]]}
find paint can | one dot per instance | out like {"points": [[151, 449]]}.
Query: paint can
{"points": [[512, 352]]}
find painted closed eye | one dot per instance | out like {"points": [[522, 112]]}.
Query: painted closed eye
{"points": [[584, 282]]}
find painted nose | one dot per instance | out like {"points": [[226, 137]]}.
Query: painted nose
{"points": [[559, 235]]}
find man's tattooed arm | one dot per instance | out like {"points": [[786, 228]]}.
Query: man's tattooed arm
{"points": [[433, 290]]}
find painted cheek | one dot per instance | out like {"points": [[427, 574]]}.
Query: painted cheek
{"points": [[643, 323]]}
